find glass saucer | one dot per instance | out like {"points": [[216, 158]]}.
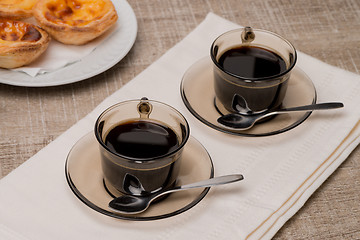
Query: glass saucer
{"points": [[85, 178], [197, 92]]}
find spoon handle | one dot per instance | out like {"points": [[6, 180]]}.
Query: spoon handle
{"points": [[209, 182], [319, 106]]}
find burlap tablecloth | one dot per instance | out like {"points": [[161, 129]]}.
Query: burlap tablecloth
{"points": [[328, 30]]}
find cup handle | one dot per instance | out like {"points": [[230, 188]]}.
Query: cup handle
{"points": [[248, 35]]}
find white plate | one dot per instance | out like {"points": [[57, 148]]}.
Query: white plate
{"points": [[106, 55]]}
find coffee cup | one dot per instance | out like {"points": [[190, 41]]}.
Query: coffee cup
{"points": [[251, 69], [141, 143]]}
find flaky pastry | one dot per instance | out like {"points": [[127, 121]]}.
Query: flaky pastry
{"points": [[21, 43], [75, 21], [16, 9]]}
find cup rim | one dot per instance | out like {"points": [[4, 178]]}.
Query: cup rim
{"points": [[247, 79], [135, 159]]}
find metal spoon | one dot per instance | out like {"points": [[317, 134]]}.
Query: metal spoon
{"points": [[131, 204], [244, 122]]}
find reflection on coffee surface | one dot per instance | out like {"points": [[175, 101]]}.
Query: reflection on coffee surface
{"points": [[141, 140], [253, 64]]}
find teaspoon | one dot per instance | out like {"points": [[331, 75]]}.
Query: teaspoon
{"points": [[131, 204], [244, 122]]}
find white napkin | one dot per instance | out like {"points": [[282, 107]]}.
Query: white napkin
{"points": [[281, 171], [59, 55]]}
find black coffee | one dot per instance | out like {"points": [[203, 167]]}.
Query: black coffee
{"points": [[252, 62], [141, 140]]}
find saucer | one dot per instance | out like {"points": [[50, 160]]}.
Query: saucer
{"points": [[85, 178], [197, 92]]}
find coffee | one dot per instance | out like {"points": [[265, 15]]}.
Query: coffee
{"points": [[141, 140], [251, 64]]}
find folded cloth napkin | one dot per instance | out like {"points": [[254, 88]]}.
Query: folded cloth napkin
{"points": [[59, 55], [281, 171]]}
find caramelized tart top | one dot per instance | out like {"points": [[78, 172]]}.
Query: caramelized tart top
{"points": [[75, 12], [15, 31], [20, 4]]}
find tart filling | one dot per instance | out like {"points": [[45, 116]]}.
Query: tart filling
{"points": [[16, 9], [12, 31], [20, 43], [75, 21], [75, 13]]}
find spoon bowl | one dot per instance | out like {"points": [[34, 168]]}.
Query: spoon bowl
{"points": [[131, 204], [245, 122]]}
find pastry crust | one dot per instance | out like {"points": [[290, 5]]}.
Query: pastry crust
{"points": [[16, 9], [77, 21], [21, 43]]}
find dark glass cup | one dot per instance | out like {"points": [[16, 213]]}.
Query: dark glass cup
{"points": [[244, 94], [138, 171]]}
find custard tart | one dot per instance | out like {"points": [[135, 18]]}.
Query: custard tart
{"points": [[75, 21], [21, 43], [16, 9]]}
